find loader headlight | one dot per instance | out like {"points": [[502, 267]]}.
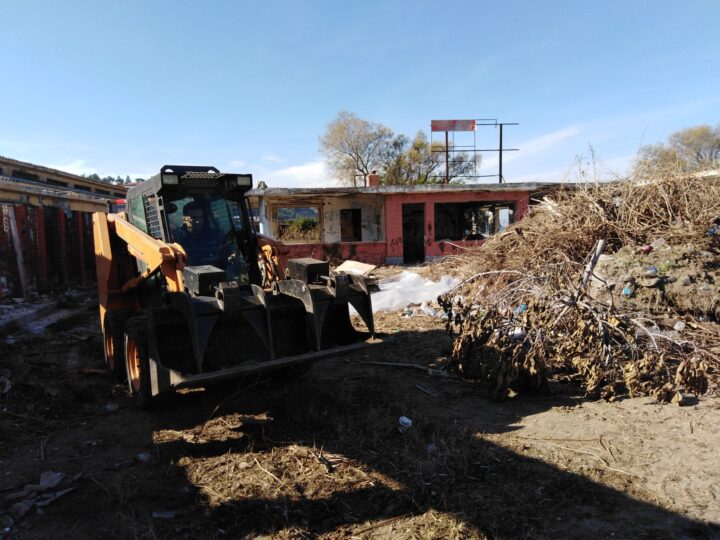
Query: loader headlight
{"points": [[244, 180], [171, 179]]}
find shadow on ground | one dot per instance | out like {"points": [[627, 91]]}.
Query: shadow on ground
{"points": [[322, 455]]}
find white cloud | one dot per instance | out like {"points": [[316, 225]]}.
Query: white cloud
{"points": [[81, 167], [606, 169], [273, 158], [559, 174], [618, 166], [312, 174], [533, 146]]}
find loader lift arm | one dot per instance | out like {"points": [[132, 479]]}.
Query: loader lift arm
{"points": [[111, 271]]}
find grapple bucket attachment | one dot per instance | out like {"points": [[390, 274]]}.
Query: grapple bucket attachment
{"points": [[327, 313], [247, 329]]}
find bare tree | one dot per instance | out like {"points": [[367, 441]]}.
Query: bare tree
{"points": [[354, 147], [692, 149]]}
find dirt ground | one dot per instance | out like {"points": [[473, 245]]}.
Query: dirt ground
{"points": [[321, 455]]}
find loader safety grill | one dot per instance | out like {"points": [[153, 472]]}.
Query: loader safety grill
{"points": [[151, 216]]}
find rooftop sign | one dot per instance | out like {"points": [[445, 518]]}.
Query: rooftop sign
{"points": [[452, 125]]}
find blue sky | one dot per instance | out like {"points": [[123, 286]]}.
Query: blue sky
{"points": [[126, 87]]}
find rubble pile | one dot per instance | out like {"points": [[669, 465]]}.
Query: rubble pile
{"points": [[614, 286]]}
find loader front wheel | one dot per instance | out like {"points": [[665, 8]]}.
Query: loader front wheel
{"points": [[114, 342], [137, 364]]}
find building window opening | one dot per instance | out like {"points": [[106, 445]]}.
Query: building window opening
{"points": [[350, 225], [472, 221], [298, 224], [58, 183], [22, 175]]}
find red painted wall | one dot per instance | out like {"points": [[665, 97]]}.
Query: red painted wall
{"points": [[378, 252], [393, 216], [367, 252], [58, 252]]}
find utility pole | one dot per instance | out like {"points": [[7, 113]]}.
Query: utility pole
{"points": [[447, 159], [500, 174]]}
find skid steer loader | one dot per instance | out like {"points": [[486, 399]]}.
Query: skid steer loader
{"points": [[190, 294]]}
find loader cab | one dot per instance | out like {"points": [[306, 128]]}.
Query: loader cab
{"points": [[203, 210]]}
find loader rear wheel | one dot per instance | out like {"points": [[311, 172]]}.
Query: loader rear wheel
{"points": [[137, 364], [114, 342]]}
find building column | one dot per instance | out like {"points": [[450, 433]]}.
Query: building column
{"points": [[80, 233], [521, 206], [62, 245], [41, 252]]}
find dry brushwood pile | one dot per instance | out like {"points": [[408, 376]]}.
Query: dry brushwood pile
{"points": [[614, 286]]}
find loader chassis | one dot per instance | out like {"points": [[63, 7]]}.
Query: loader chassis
{"points": [[183, 304]]}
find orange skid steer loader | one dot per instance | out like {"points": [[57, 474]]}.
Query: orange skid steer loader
{"points": [[190, 294]]}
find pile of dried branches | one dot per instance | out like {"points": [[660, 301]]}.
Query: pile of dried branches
{"points": [[522, 313]]}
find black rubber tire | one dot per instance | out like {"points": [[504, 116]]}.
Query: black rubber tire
{"points": [[137, 362], [114, 341]]}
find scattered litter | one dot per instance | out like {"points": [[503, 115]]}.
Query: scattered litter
{"points": [[6, 522], [48, 479], [656, 244], [404, 423], [427, 310], [47, 499], [36, 495], [18, 510], [5, 384], [425, 390], [111, 407], [355, 267], [143, 457], [122, 464], [409, 288], [164, 514]]}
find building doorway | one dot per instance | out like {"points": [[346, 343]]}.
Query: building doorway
{"points": [[413, 220]]}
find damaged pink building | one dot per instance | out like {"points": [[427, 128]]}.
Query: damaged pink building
{"points": [[392, 224]]}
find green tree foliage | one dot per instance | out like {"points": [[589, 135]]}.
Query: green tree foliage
{"points": [[688, 150], [118, 181], [355, 147], [421, 162], [300, 229]]}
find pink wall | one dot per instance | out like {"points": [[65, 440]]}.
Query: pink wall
{"points": [[391, 250], [393, 217], [367, 252]]}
